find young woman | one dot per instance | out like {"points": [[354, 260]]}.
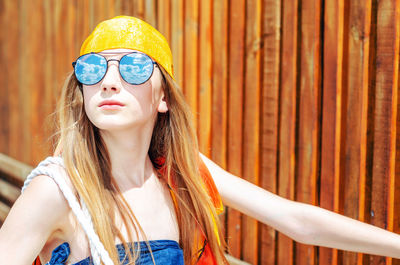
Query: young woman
{"points": [[127, 183]]}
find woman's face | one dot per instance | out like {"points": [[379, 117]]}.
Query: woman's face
{"points": [[114, 104]]}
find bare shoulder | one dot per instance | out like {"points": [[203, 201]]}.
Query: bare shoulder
{"points": [[219, 175], [44, 191], [211, 165], [37, 214]]}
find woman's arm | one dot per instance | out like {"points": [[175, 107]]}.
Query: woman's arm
{"points": [[304, 223], [36, 214]]}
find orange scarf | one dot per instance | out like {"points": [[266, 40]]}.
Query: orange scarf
{"points": [[205, 254]]}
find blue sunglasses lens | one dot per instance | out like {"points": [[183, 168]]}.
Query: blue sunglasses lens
{"points": [[136, 68], [90, 68]]}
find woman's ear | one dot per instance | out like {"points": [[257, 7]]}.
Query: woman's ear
{"points": [[162, 106]]}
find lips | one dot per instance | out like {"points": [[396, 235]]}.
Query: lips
{"points": [[110, 103]]}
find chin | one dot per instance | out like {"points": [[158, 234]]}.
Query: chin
{"points": [[113, 126], [118, 125]]}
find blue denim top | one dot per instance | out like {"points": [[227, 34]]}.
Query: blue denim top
{"points": [[166, 252]]}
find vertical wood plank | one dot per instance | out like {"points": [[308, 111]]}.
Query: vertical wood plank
{"points": [[24, 95], [287, 128], [36, 81], [107, 9], [127, 7], [82, 21], [190, 61], [10, 54], [251, 114], [309, 115], [60, 44], [355, 127], [219, 81], [219, 84], [50, 91], [270, 117], [91, 15], [69, 29], [177, 39], [205, 77], [112, 8], [150, 12], [70, 33], [331, 115], [385, 118], [235, 114], [164, 18], [118, 7], [139, 9], [4, 101], [396, 220], [99, 12]]}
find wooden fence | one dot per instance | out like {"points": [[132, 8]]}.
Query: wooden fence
{"points": [[298, 97], [12, 176]]}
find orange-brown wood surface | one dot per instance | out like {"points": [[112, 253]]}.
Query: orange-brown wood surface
{"points": [[164, 18], [235, 68], [308, 116], [358, 23], [218, 148], [269, 118], [288, 107], [386, 101], [298, 97], [190, 53], [251, 122], [331, 115], [177, 33], [205, 77]]}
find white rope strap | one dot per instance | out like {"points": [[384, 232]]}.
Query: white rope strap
{"points": [[96, 247], [50, 160], [95, 254]]}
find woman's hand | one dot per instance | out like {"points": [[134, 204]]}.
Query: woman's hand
{"points": [[304, 223], [34, 217]]}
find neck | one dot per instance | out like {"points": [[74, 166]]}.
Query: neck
{"points": [[128, 151]]}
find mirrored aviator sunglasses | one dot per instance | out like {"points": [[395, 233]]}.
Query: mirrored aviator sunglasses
{"points": [[135, 67]]}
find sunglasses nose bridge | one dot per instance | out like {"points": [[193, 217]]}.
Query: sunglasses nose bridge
{"points": [[112, 60], [112, 65], [112, 79]]}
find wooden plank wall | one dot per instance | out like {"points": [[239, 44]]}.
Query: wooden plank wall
{"points": [[297, 96]]}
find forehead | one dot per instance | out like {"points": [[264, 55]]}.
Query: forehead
{"points": [[117, 53]]}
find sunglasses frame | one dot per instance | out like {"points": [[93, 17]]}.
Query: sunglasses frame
{"points": [[119, 69]]}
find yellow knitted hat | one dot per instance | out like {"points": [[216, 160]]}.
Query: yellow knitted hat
{"points": [[124, 32]]}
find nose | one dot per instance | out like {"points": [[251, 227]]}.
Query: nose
{"points": [[112, 79]]}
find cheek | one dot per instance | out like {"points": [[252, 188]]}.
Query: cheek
{"points": [[140, 100], [88, 95], [156, 87], [146, 95]]}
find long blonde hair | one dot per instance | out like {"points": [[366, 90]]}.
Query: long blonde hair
{"points": [[88, 164]]}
